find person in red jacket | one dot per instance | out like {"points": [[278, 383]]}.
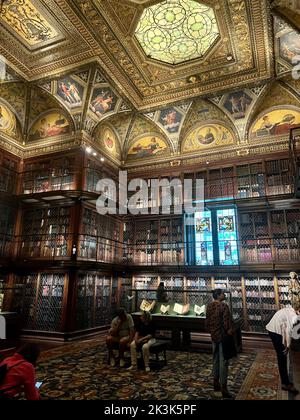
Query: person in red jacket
{"points": [[20, 376]]}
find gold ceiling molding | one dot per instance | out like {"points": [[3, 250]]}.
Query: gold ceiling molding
{"points": [[103, 30], [74, 46], [289, 10], [32, 26]]}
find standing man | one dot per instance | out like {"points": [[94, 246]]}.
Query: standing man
{"points": [[218, 322], [121, 335]]}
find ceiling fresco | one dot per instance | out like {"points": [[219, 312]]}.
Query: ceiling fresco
{"points": [[208, 135], [31, 26], [234, 48], [84, 67]]}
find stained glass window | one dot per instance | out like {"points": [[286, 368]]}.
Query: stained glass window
{"points": [[176, 31]]}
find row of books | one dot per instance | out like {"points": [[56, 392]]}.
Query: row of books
{"points": [[254, 294]]}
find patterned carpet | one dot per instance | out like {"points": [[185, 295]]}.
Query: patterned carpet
{"points": [[262, 381], [79, 371]]}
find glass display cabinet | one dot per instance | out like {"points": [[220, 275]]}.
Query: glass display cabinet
{"points": [[182, 313]]}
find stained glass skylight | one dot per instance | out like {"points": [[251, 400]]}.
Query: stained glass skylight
{"points": [[176, 31]]}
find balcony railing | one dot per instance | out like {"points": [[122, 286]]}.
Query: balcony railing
{"points": [[265, 251], [100, 249], [54, 246], [229, 188]]}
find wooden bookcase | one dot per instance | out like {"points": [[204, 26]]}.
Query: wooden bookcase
{"points": [[255, 298], [55, 173], [46, 232], [9, 167]]}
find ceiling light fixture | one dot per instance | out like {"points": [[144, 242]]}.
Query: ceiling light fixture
{"points": [[229, 57]]}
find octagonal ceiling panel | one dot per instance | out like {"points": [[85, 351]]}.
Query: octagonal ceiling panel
{"points": [[174, 32], [235, 49]]}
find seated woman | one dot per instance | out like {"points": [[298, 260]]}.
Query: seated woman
{"points": [[144, 338], [20, 373], [120, 335]]}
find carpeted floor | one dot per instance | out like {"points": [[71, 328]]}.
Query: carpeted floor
{"points": [[80, 371], [262, 381]]}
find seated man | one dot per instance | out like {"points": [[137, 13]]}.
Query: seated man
{"points": [[144, 338], [121, 335]]}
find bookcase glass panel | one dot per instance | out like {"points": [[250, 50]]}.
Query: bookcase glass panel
{"points": [[3, 291], [173, 282], [45, 232], [198, 283], [254, 315], [42, 301], [283, 290], [49, 302], [126, 297], [100, 235], [128, 235], [234, 285], [93, 305], [279, 177], [8, 174], [146, 246], [7, 221], [261, 302], [171, 240], [49, 175]]}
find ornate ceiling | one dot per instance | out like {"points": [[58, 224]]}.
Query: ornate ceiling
{"points": [[43, 38], [176, 32], [77, 74]]}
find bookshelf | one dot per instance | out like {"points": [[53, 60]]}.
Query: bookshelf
{"points": [[94, 300], [251, 182], [3, 291], [100, 235], [283, 290], [46, 232], [198, 283], [42, 302], [8, 173], [146, 242], [234, 285], [261, 301], [171, 240], [128, 233], [53, 174], [278, 177], [146, 283], [7, 221]]}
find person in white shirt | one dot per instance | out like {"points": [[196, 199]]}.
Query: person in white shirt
{"points": [[280, 330]]}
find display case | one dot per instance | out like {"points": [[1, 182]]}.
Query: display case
{"points": [[180, 296], [183, 314]]}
